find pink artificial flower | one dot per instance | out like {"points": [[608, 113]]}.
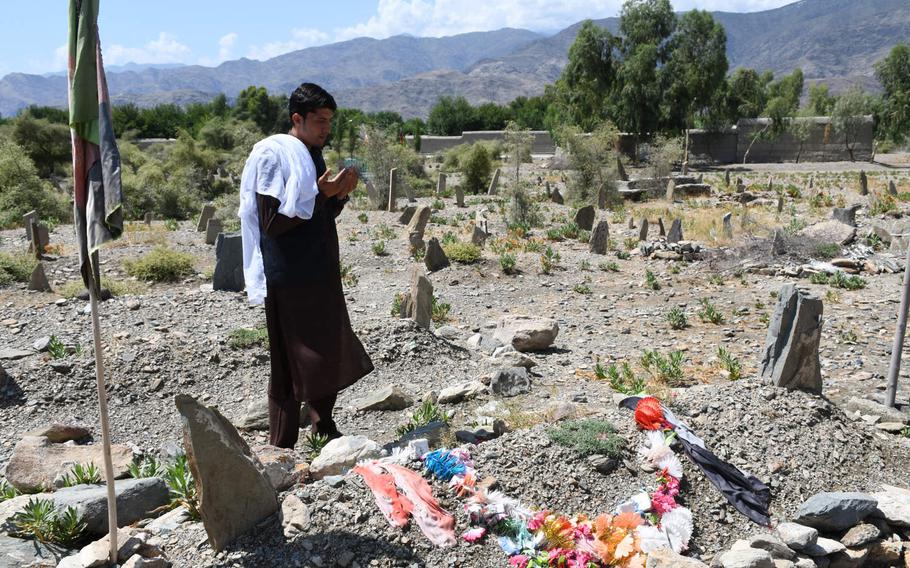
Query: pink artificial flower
{"points": [[662, 503], [558, 556], [519, 560], [537, 520], [475, 534], [582, 531]]}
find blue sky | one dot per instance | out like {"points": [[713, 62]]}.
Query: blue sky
{"points": [[205, 32]]}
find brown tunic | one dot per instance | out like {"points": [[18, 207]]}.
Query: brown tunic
{"points": [[314, 352]]}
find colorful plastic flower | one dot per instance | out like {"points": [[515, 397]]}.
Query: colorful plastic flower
{"points": [[474, 534]]}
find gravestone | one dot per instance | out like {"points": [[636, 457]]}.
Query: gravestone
{"points": [[556, 197], [435, 258], [417, 226], [40, 239], [27, 220], [406, 214], [846, 215], [631, 222], [727, 178], [770, 184], [740, 186], [228, 274], [212, 229], [811, 182], [600, 238], [675, 235], [602, 198], [863, 183], [393, 204], [149, 217], [38, 280], [440, 184], [546, 188], [780, 204], [584, 218], [892, 189], [671, 189], [778, 246], [478, 236], [643, 231], [728, 225], [421, 304], [620, 170], [494, 183], [208, 212], [373, 195], [459, 196], [791, 349], [234, 493], [661, 232]]}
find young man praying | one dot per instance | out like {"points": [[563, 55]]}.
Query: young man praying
{"points": [[288, 205]]}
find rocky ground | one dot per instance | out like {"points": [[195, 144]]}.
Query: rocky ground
{"points": [[163, 340]]}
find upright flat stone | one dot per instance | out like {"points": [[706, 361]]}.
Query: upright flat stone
{"points": [[418, 222], [600, 238], [728, 225], [393, 190], [643, 230], [38, 280], [791, 348], [435, 258], [407, 214], [28, 220], [213, 228], [671, 190], [892, 189], [478, 236], [620, 170], [208, 212], [780, 204], [234, 492], [584, 218], [556, 197], [675, 235], [661, 231], [228, 274], [459, 196], [440, 184], [148, 218], [727, 178], [421, 298], [846, 215], [526, 333], [863, 183], [494, 183]]}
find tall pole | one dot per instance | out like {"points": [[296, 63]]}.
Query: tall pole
{"points": [[898, 347], [102, 406]]}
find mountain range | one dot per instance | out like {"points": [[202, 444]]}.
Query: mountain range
{"points": [[835, 41]]}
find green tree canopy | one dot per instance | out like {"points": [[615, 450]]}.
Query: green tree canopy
{"points": [[893, 73]]}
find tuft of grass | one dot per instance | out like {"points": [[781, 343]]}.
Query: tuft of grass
{"points": [[631, 243], [589, 437], [441, 310], [363, 218], [348, 278], [244, 338], [316, 442], [623, 255], [146, 467], [622, 378], [462, 253], [534, 245], [582, 288], [438, 205], [730, 363], [677, 319], [608, 266], [82, 474], [827, 251], [182, 486], [585, 266], [663, 369], [427, 412], [841, 280], [384, 232], [160, 265], [710, 313], [379, 248], [56, 348], [716, 279], [7, 491], [549, 260], [507, 262], [41, 521], [651, 280]]}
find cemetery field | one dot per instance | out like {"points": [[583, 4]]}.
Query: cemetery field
{"points": [[686, 321]]}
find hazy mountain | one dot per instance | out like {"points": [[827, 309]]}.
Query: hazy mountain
{"points": [[837, 41]]}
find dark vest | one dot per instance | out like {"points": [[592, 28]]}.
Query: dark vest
{"points": [[307, 255]]}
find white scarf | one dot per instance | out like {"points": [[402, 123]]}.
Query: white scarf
{"points": [[281, 167]]}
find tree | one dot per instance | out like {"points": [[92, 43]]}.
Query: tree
{"points": [[893, 73], [490, 116], [746, 97], [47, 144], [588, 76], [476, 168], [449, 116], [21, 190], [268, 113], [848, 116], [593, 181], [821, 101], [518, 144]]}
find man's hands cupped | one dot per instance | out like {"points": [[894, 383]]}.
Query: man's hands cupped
{"points": [[340, 185]]}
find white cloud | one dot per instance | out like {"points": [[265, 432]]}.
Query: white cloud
{"points": [[165, 49], [226, 45], [730, 5], [300, 38]]}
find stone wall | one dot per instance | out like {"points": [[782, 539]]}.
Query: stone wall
{"points": [[543, 142]]}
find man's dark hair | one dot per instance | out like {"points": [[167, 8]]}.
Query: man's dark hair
{"points": [[310, 97]]}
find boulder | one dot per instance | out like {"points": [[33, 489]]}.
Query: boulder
{"points": [[797, 536], [860, 535], [461, 392], [481, 342], [893, 505], [257, 415], [791, 348], [136, 498], [746, 558], [295, 516], [36, 461], [18, 553], [59, 433], [234, 492], [872, 408], [527, 333], [509, 382], [390, 397], [666, 558], [829, 232], [835, 511], [675, 234], [824, 547], [846, 215], [283, 466], [600, 238], [342, 454], [775, 546], [584, 218], [208, 211], [508, 357], [96, 554]]}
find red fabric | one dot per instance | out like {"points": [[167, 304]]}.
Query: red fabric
{"points": [[650, 415]]}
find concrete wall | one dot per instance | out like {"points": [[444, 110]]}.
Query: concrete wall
{"points": [[543, 142]]}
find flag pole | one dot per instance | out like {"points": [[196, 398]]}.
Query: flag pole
{"points": [[102, 406], [898, 345]]}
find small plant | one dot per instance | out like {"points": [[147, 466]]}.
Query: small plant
{"points": [[549, 260], [182, 486], [352, 237], [507, 262], [623, 255], [730, 363], [427, 412], [148, 466], [348, 278], [462, 253], [396, 304], [82, 474], [56, 348], [764, 318], [608, 266], [841, 280], [363, 218], [440, 311], [582, 288], [832, 296], [623, 379], [848, 336], [7, 491], [40, 520], [709, 312], [384, 232], [534, 245], [589, 437], [677, 319], [674, 269], [875, 241], [716, 279], [438, 205], [585, 266], [651, 280], [631, 243], [15, 268], [244, 338], [379, 248], [448, 238], [418, 254], [171, 224], [316, 442], [827, 251], [160, 265], [664, 369]]}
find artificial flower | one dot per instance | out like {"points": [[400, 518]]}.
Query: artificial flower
{"points": [[649, 414], [474, 534]]}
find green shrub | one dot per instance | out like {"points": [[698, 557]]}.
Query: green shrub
{"points": [[146, 467], [7, 491], [608, 266], [663, 369], [677, 319], [348, 278], [182, 486], [316, 442], [171, 224], [462, 253], [841, 280], [427, 412], [622, 379], [623, 255], [651, 280], [379, 248], [827, 251], [476, 168], [730, 363], [440, 311], [15, 268], [82, 474], [582, 288], [22, 190], [710, 313], [507, 262], [549, 260], [589, 437], [41, 521], [160, 265], [244, 338], [384, 232]]}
